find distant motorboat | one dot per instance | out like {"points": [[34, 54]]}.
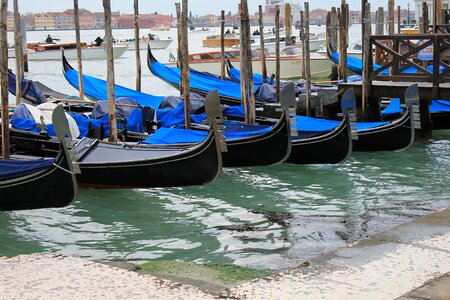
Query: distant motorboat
{"points": [[315, 42], [52, 51], [290, 62], [144, 42], [230, 39], [160, 27]]}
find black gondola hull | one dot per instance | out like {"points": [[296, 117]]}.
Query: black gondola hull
{"points": [[396, 135], [54, 187], [331, 148], [261, 150]]}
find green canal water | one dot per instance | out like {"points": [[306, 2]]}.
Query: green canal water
{"points": [[266, 217]]}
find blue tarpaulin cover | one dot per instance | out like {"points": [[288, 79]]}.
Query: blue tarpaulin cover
{"points": [[180, 136], [436, 106], [29, 89], [314, 124], [203, 83], [10, 169], [356, 65], [96, 88]]}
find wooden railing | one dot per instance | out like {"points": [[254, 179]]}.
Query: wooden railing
{"points": [[409, 51]]}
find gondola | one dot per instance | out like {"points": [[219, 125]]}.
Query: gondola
{"points": [[394, 134], [35, 182], [259, 149], [131, 165]]}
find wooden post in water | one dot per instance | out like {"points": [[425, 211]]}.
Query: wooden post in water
{"points": [[302, 38], [343, 41], [367, 65], [222, 44], [180, 44], [245, 28], [287, 21], [391, 18], [333, 35], [4, 79], [437, 14], [78, 40], [379, 30], [110, 73], [277, 51], [307, 61], [136, 45], [425, 24], [23, 49], [185, 76], [399, 16], [17, 46], [261, 42]]}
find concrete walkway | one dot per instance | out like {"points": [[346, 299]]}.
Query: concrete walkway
{"points": [[407, 261]]}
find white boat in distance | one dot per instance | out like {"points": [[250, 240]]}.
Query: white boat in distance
{"points": [[290, 63], [270, 43], [52, 51], [154, 44]]}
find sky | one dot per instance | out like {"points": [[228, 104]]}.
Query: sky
{"points": [[198, 7]]}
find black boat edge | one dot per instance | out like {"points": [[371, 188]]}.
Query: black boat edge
{"points": [[53, 187]]}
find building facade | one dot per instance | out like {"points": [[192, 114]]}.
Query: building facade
{"points": [[418, 8]]}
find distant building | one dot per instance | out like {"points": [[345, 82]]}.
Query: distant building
{"points": [[269, 10], [43, 21], [418, 8], [64, 21]]}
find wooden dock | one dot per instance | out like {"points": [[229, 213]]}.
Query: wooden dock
{"points": [[396, 89]]}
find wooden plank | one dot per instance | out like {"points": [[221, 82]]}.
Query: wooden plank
{"points": [[78, 41], [110, 73], [136, 45], [4, 79]]}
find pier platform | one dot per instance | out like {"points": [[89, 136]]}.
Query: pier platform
{"points": [[396, 89], [411, 261]]}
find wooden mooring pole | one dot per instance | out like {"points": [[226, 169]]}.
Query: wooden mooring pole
{"points": [[185, 76], [4, 79], [367, 61], [78, 41], [246, 64], [261, 41], [425, 24], [379, 30], [332, 28], [136, 45], [110, 73], [307, 61], [23, 49], [399, 23], [302, 38], [222, 44], [180, 44], [277, 51], [287, 21], [343, 41], [17, 47]]}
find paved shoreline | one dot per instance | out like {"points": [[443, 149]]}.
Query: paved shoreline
{"points": [[406, 261]]}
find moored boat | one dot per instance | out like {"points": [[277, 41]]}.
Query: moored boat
{"points": [[290, 62], [213, 41], [52, 51], [28, 182]]}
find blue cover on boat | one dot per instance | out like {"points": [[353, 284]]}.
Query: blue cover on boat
{"points": [[180, 136], [236, 75], [31, 125], [10, 169], [29, 89], [314, 124], [96, 88], [356, 65], [202, 83], [436, 106]]}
